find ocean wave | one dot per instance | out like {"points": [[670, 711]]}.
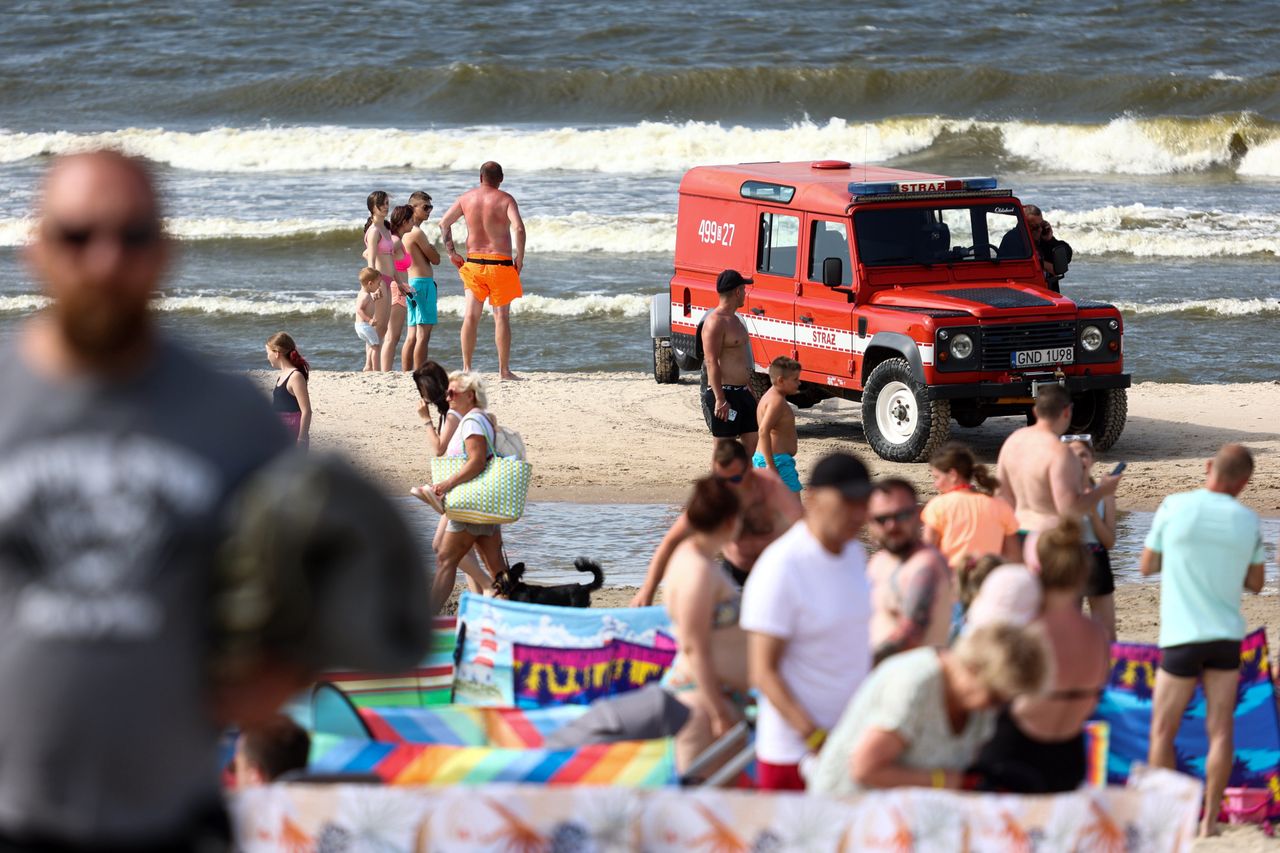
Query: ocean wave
{"points": [[340, 307], [1126, 145], [577, 232], [1222, 307], [489, 92], [1168, 232]]}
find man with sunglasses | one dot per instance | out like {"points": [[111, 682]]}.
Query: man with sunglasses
{"points": [[769, 508], [121, 454], [422, 315], [911, 590]]}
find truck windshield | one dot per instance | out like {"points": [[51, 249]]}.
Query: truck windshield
{"points": [[955, 233]]}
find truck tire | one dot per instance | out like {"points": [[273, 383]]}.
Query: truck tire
{"points": [[900, 421], [760, 384], [665, 369], [1101, 414]]}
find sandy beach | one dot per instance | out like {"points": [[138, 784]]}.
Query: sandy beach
{"points": [[620, 437]]}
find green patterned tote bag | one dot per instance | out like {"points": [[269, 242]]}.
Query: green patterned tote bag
{"points": [[497, 496]]}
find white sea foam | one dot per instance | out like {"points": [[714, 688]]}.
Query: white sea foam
{"points": [[1168, 232], [340, 306], [1223, 307], [1129, 145], [574, 233]]}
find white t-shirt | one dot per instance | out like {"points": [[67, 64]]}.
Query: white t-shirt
{"points": [[820, 604], [473, 422]]}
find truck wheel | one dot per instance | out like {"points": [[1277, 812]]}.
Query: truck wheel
{"points": [[760, 384], [901, 423], [1101, 414], [665, 369]]}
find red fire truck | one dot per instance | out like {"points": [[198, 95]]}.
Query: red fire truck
{"points": [[920, 296]]}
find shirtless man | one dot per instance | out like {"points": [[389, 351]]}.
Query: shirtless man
{"points": [[911, 590], [728, 397], [778, 442], [1040, 476], [422, 307], [492, 267], [769, 509]]}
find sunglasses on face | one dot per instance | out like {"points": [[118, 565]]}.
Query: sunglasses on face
{"points": [[735, 479], [132, 236], [902, 516]]}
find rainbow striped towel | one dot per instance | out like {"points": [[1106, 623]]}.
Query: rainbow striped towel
{"points": [[431, 683], [631, 764], [464, 725]]}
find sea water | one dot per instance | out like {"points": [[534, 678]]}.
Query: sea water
{"points": [[1149, 132], [623, 537]]}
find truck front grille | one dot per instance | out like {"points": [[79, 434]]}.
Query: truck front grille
{"points": [[1000, 342]]}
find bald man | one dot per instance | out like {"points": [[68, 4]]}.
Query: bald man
{"points": [[118, 450], [1207, 547], [495, 258]]}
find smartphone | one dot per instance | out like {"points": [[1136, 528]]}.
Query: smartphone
{"points": [[1119, 469], [732, 414]]}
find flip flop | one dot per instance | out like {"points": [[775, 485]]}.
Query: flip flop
{"points": [[428, 497]]}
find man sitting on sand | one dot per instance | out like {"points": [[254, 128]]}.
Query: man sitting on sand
{"points": [[912, 594], [1040, 476], [1207, 547], [492, 267], [769, 508], [778, 443]]}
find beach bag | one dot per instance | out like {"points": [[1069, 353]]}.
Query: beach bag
{"points": [[498, 495]]}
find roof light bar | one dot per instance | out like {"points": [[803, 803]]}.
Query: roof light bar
{"points": [[862, 188]]}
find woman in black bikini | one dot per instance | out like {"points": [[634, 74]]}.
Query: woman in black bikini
{"points": [[290, 397], [1038, 747]]}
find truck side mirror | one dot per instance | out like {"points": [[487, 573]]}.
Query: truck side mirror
{"points": [[832, 272], [1060, 258]]}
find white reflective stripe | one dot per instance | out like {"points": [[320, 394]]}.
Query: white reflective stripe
{"points": [[769, 329]]}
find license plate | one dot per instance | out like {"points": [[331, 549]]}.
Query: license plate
{"points": [[1043, 357]]}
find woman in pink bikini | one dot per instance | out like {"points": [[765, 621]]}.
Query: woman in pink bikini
{"points": [[378, 252], [401, 223]]}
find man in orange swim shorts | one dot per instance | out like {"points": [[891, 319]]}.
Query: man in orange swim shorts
{"points": [[491, 270]]}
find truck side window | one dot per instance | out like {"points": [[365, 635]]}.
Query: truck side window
{"points": [[779, 240], [829, 239]]}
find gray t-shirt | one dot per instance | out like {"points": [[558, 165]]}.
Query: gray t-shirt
{"points": [[110, 494], [904, 695]]}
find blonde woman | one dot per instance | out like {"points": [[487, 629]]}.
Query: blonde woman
{"points": [[921, 716]]}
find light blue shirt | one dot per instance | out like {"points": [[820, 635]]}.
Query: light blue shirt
{"points": [[1207, 541]]}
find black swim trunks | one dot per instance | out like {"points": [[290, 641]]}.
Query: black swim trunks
{"points": [[1102, 581], [1013, 762], [1190, 660], [742, 403], [739, 576]]}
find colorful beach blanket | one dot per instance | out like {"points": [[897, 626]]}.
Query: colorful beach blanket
{"points": [[429, 684], [631, 764], [530, 655], [1156, 814], [461, 725], [1126, 706]]}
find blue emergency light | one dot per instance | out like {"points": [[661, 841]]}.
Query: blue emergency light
{"points": [[923, 185]]}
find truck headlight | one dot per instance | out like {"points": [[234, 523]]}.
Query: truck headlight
{"points": [[1091, 338], [962, 346]]}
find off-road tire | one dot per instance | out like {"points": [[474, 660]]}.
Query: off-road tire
{"points": [[760, 384], [665, 369], [931, 419], [1102, 415]]}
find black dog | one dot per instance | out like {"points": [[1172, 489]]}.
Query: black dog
{"points": [[509, 586]]}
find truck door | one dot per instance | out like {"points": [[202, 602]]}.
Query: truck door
{"points": [[824, 316], [771, 299]]}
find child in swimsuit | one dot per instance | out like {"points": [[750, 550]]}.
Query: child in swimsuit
{"points": [[290, 398], [370, 290]]}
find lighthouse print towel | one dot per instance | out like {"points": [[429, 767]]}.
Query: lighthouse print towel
{"points": [[531, 655]]}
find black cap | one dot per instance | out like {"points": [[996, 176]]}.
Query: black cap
{"points": [[730, 280], [844, 472]]}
